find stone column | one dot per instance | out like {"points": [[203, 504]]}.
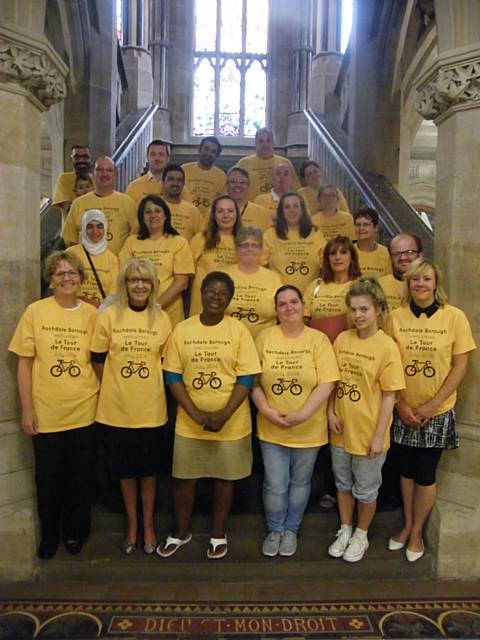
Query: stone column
{"points": [[158, 46], [449, 94], [31, 79]]}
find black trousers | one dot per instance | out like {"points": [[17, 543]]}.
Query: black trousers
{"points": [[64, 477]]}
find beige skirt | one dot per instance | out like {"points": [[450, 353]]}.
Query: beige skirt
{"points": [[223, 459]]}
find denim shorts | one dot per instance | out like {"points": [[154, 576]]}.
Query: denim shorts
{"points": [[359, 474]]}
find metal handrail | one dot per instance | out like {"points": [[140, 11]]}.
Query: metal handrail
{"points": [[125, 146], [363, 186]]}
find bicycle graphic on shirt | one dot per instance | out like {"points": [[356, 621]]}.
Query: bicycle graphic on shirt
{"points": [[202, 202], [249, 314], [287, 385], [349, 390], [109, 236], [205, 378], [63, 367], [135, 367], [293, 267], [420, 366], [265, 188]]}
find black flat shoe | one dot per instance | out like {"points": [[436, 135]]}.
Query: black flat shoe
{"points": [[47, 548], [73, 546]]}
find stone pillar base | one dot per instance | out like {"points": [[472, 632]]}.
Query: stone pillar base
{"points": [[18, 533]]}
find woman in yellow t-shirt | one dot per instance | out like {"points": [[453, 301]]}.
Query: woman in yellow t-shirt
{"points": [[293, 248], [435, 340], [127, 354], [100, 264], [298, 375], [311, 178], [210, 361], [158, 241], [360, 413], [214, 248], [253, 300], [58, 398], [373, 257]]}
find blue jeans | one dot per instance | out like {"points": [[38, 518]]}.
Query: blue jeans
{"points": [[286, 484]]}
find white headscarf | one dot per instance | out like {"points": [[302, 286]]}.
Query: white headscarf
{"points": [[93, 248]]}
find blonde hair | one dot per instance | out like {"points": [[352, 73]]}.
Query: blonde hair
{"points": [[53, 260], [146, 268], [369, 286], [417, 268]]}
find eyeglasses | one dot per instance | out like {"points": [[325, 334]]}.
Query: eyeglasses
{"points": [[212, 293], [250, 245], [407, 254], [66, 274], [237, 182], [139, 281], [363, 225]]}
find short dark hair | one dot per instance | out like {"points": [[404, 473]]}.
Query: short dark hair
{"points": [[213, 140], [172, 167], [143, 232], [304, 166], [304, 225], [160, 143], [287, 287], [368, 213], [418, 240], [80, 146], [218, 276]]}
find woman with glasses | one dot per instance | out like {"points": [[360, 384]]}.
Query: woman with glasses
{"points": [[127, 352], [158, 241], [58, 399], [373, 257], [255, 286], [329, 218], [210, 361]]}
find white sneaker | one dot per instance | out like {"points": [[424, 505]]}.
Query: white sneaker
{"points": [[357, 548], [288, 544], [338, 546], [271, 544]]}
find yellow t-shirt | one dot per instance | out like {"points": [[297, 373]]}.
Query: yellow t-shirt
{"points": [[204, 185], [427, 346], [253, 302], [340, 224], [296, 260], [210, 359], [367, 369], [291, 369], [64, 385], [260, 172], [146, 185], [186, 219], [374, 263], [310, 197], [64, 190], [119, 209], [253, 215], [325, 299], [268, 202], [171, 255], [132, 394], [106, 266], [207, 260], [394, 290]]}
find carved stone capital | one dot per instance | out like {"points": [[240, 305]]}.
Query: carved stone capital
{"points": [[34, 65], [450, 86]]}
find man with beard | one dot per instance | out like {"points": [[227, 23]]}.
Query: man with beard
{"points": [[118, 208], [158, 156], [186, 218], [203, 179], [64, 192]]}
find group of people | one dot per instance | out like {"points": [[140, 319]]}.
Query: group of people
{"points": [[322, 342]]}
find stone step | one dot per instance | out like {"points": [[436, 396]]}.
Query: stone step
{"points": [[102, 559]]}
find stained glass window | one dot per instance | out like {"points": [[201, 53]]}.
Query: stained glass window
{"points": [[230, 67]]}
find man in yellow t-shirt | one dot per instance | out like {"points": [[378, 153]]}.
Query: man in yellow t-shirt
{"points": [[64, 191], [282, 182], [372, 256], [119, 209], [186, 218], [260, 164], [403, 250], [158, 156], [251, 214], [329, 219], [203, 179]]}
